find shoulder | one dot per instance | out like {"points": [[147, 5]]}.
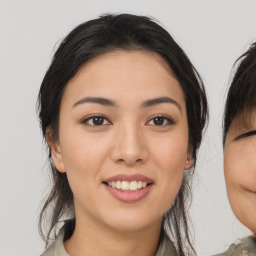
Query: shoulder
{"points": [[246, 247], [57, 247]]}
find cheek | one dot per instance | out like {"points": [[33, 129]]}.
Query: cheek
{"points": [[240, 168], [83, 158], [173, 164], [229, 167], [240, 175], [171, 153], [83, 152], [170, 157]]}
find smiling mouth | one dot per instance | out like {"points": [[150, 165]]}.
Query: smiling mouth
{"points": [[127, 186]]}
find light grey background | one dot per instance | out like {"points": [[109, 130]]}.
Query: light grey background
{"points": [[213, 34]]}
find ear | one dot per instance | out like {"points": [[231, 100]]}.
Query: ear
{"points": [[55, 151], [189, 161]]}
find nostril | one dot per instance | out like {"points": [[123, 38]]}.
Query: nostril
{"points": [[130, 161], [120, 160]]}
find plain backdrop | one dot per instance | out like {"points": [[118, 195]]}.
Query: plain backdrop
{"points": [[212, 33]]}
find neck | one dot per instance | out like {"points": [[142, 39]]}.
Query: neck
{"points": [[89, 239]]}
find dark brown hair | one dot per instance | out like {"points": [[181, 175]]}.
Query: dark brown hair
{"points": [[241, 97], [93, 38]]}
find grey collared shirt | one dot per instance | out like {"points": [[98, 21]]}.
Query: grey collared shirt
{"points": [[166, 248]]}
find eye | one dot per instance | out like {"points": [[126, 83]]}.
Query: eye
{"points": [[160, 121], [96, 120], [244, 135]]}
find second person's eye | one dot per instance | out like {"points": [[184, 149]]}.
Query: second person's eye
{"points": [[244, 135], [160, 121], [96, 121]]}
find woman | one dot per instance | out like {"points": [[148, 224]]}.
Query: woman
{"points": [[240, 149], [122, 110]]}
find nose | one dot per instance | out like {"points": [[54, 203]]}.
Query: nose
{"points": [[129, 146]]}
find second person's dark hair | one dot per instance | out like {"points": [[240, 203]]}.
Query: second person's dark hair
{"points": [[242, 92]]}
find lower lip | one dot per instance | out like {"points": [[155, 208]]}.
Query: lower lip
{"points": [[129, 197]]}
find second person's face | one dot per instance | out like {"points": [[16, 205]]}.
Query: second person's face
{"points": [[123, 140], [240, 170]]}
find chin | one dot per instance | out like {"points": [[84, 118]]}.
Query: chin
{"points": [[131, 222]]}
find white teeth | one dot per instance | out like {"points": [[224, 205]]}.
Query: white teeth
{"points": [[128, 186], [113, 184], [133, 185], [118, 184], [139, 184], [125, 185]]}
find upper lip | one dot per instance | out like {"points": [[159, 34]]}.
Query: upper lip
{"points": [[126, 177]]}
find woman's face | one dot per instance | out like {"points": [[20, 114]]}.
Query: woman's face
{"points": [[240, 170], [123, 139]]}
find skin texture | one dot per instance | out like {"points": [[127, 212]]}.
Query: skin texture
{"points": [[240, 170], [127, 142]]}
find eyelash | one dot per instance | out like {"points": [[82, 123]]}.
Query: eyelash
{"points": [[244, 135], [165, 119]]}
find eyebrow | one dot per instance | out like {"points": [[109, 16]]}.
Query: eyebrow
{"points": [[107, 102], [160, 100], [98, 100]]}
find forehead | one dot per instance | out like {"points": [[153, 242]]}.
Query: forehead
{"points": [[123, 73]]}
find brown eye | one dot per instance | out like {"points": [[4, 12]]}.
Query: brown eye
{"points": [[96, 121], [160, 121]]}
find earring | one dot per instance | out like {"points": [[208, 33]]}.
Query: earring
{"points": [[187, 162]]}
